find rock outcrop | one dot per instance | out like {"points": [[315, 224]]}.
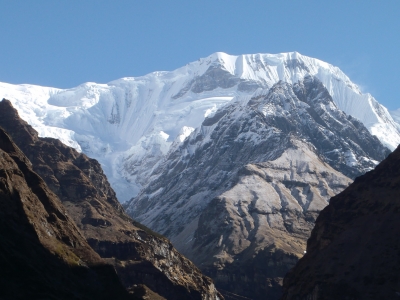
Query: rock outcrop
{"points": [[354, 249], [139, 255], [250, 236], [43, 255]]}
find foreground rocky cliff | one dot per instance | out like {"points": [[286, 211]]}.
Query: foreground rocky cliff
{"points": [[42, 253], [354, 249], [240, 196], [139, 255]]}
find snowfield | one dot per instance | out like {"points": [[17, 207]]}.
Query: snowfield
{"points": [[130, 124]]}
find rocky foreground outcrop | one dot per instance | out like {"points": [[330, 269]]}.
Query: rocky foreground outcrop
{"points": [[43, 255], [139, 255], [354, 249]]}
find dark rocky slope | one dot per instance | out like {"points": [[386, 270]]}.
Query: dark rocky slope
{"points": [[139, 255], [42, 253], [354, 249]]}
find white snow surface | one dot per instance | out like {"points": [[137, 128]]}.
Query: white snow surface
{"points": [[396, 116], [137, 119]]}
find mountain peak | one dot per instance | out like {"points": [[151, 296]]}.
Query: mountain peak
{"points": [[111, 121]]}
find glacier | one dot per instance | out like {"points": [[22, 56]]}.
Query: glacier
{"points": [[130, 124]]}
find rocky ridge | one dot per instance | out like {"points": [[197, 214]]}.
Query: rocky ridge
{"points": [[353, 251], [139, 255], [43, 254], [240, 195]]}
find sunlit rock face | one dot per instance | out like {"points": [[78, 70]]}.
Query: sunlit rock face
{"points": [[240, 196]]}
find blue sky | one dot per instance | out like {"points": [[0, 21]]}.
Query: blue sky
{"points": [[65, 43]]}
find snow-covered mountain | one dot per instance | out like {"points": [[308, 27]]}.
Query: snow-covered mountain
{"points": [[253, 130], [251, 180], [130, 124], [396, 116]]}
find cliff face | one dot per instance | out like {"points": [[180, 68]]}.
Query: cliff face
{"points": [[240, 195], [43, 254], [354, 248], [139, 255], [247, 244]]}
